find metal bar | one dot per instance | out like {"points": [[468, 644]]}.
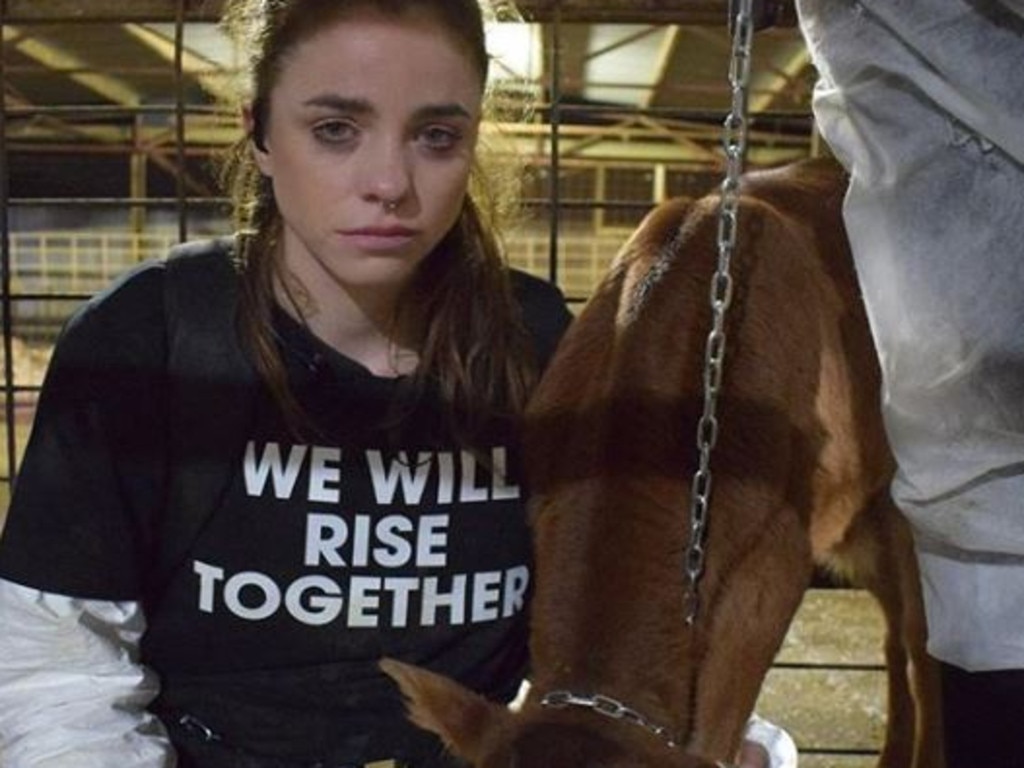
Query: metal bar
{"points": [[137, 185], [65, 296], [702, 12], [107, 11], [97, 149], [154, 202], [99, 110], [842, 666], [563, 204], [680, 113], [112, 69], [554, 121], [618, 44], [5, 278], [36, 388], [179, 117]]}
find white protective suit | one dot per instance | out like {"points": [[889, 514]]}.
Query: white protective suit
{"points": [[923, 102]]}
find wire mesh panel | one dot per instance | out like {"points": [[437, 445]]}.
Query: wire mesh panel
{"points": [[112, 126], [113, 123], [109, 132]]}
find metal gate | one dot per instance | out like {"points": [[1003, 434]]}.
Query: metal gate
{"points": [[110, 123]]}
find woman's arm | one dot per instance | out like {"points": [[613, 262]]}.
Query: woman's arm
{"points": [[72, 693]]}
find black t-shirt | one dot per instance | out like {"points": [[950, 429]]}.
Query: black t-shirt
{"points": [[373, 538]]}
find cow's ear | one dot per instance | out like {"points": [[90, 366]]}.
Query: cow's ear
{"points": [[464, 720]]}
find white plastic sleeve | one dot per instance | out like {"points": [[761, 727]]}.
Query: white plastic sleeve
{"points": [[780, 745], [72, 693]]}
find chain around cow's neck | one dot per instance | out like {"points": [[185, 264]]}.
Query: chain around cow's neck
{"points": [[614, 709]]}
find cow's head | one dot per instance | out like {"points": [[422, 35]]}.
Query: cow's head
{"points": [[489, 735]]}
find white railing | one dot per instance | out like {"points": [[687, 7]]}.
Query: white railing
{"points": [[583, 259], [83, 262], [78, 262]]}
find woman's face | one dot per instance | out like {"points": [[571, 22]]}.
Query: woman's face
{"points": [[370, 135]]}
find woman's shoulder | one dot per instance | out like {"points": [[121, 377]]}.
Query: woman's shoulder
{"points": [[203, 259], [144, 284], [133, 308], [545, 312], [530, 289]]}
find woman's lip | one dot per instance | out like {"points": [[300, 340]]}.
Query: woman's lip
{"points": [[379, 232], [379, 239]]}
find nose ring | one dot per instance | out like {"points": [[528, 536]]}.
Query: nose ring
{"points": [[390, 206]]}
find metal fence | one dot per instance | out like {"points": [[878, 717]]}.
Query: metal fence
{"points": [[48, 266], [110, 123], [145, 108]]}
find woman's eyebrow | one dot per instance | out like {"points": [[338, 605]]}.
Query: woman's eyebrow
{"points": [[340, 103], [358, 106], [439, 111]]}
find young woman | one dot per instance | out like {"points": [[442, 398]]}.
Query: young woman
{"points": [[264, 463]]}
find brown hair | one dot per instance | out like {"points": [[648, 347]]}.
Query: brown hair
{"points": [[474, 350]]}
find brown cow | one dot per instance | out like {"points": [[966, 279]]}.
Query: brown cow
{"points": [[801, 472]]}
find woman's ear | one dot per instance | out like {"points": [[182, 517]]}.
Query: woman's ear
{"points": [[253, 123]]}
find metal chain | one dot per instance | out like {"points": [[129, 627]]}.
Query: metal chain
{"points": [[734, 142], [609, 707], [616, 710]]}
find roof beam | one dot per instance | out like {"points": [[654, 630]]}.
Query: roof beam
{"points": [[697, 12], [667, 50], [573, 44], [75, 11], [192, 64], [56, 58], [694, 149], [686, 12], [780, 78], [13, 97]]}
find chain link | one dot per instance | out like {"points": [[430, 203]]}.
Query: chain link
{"points": [[614, 709], [734, 142], [608, 707]]}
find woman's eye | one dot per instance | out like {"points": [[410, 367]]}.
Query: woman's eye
{"points": [[334, 131], [440, 138]]}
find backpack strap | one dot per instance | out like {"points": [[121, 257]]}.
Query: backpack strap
{"points": [[545, 313], [211, 387]]}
